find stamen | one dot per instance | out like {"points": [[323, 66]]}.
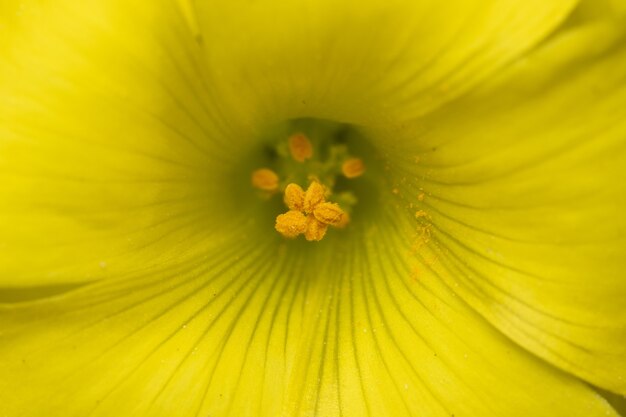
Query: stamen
{"points": [[265, 179], [328, 213], [309, 213], [298, 161], [315, 230], [314, 195], [300, 147], [294, 197], [353, 168], [291, 224]]}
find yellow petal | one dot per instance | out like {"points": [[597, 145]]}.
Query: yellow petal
{"points": [[589, 10], [108, 129], [524, 183], [365, 62], [350, 327], [203, 316], [618, 402]]}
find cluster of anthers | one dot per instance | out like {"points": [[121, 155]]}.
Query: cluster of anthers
{"points": [[309, 213]]}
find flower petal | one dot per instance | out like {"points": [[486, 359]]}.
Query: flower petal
{"points": [[375, 60], [524, 182], [110, 139], [352, 327], [618, 402], [597, 9]]}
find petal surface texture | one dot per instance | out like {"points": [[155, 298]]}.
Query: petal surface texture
{"points": [[111, 141], [526, 192], [371, 62], [266, 334]]}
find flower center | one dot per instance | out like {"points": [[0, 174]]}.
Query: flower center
{"points": [[310, 159]]}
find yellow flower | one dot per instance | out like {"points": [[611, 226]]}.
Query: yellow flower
{"points": [[481, 273]]}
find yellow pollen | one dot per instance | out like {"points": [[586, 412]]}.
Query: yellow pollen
{"points": [[291, 224], [309, 213], [328, 213], [314, 195], [315, 230], [294, 197], [353, 168], [265, 179], [300, 147]]}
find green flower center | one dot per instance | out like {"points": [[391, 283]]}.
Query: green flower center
{"points": [[317, 174]]}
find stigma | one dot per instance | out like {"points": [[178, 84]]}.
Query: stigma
{"points": [[309, 213]]}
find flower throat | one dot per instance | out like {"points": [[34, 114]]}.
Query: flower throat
{"points": [[305, 169]]}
